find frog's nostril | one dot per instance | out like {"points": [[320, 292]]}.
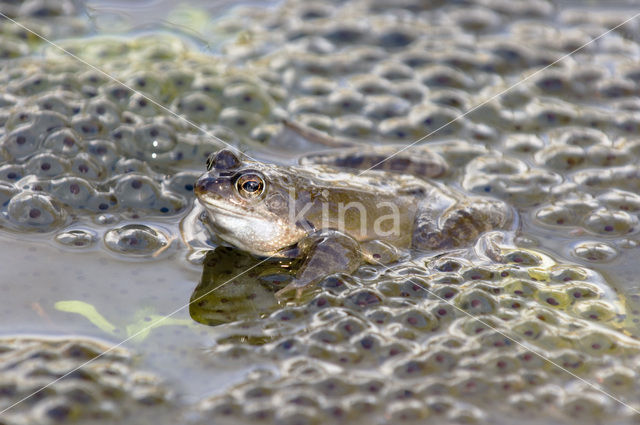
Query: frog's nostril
{"points": [[211, 185], [203, 185]]}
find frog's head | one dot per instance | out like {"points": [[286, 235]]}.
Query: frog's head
{"points": [[248, 203]]}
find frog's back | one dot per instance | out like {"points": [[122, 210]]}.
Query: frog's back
{"points": [[441, 217], [373, 206], [419, 161]]}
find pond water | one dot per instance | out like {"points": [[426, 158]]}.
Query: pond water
{"points": [[99, 253]]}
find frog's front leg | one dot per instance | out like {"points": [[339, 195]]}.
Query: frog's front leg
{"points": [[326, 253]]}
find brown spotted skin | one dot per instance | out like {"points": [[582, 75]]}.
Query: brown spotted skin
{"points": [[417, 161], [430, 216]]}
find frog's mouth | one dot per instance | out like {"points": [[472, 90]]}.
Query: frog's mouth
{"points": [[216, 207]]}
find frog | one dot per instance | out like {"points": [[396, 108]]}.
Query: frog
{"points": [[336, 219]]}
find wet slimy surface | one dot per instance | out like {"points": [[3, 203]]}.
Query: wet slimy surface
{"points": [[95, 178]]}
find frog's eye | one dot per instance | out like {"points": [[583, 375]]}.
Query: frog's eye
{"points": [[250, 185]]}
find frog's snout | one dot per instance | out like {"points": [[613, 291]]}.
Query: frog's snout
{"points": [[209, 185]]}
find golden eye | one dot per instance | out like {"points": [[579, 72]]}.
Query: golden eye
{"points": [[250, 185]]}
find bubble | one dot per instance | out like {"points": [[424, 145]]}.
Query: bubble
{"points": [[259, 412], [561, 157], [11, 172], [354, 126], [307, 105], [394, 38], [441, 76], [436, 119], [198, 107], [450, 97], [155, 138], [325, 336], [553, 81], [47, 165], [555, 299], [83, 165], [63, 142], [606, 156], [343, 33], [384, 107], [364, 299], [35, 211], [7, 191], [116, 93], [125, 138], [615, 88], [60, 102], [479, 273], [621, 200], [596, 252], [410, 91], [22, 142], [141, 105], [522, 257], [529, 329], [103, 152], [397, 129], [238, 119], [135, 239], [594, 309], [519, 287], [183, 182], [381, 316], [88, 126], [137, 191], [317, 121], [407, 411], [148, 82], [583, 406], [76, 238], [605, 222], [618, 379], [105, 111], [247, 97], [73, 191], [416, 319], [345, 101], [223, 407], [523, 143]]}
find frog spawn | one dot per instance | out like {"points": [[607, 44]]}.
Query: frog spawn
{"points": [[414, 347], [548, 123], [410, 71], [136, 239], [609, 214], [392, 68], [52, 19], [71, 152], [108, 388]]}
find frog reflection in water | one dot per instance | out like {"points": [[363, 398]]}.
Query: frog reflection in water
{"points": [[334, 218]]}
